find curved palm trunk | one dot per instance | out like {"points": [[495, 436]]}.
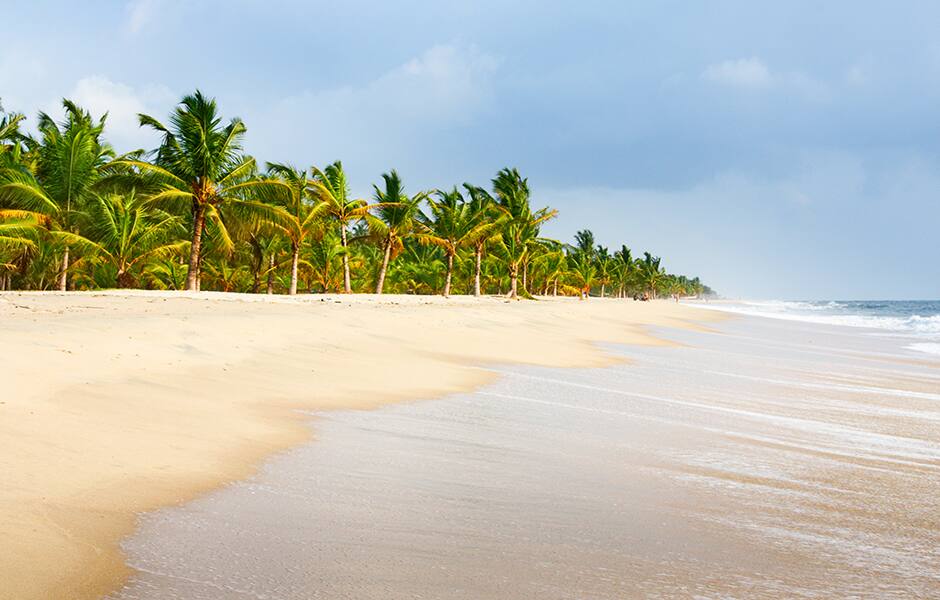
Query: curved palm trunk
{"points": [[385, 259], [478, 258], [347, 284], [295, 258], [63, 274], [603, 289], [192, 275], [450, 272]]}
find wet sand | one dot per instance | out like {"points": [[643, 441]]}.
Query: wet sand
{"points": [[763, 460]]}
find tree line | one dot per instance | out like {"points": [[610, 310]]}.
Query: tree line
{"points": [[198, 213]]}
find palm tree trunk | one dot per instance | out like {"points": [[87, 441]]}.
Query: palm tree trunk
{"points": [[192, 275], [513, 281], [603, 289], [347, 285], [525, 276], [388, 254], [555, 287], [124, 280], [270, 289], [63, 274], [450, 272], [293, 269], [476, 273]]}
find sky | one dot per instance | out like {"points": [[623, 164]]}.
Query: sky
{"points": [[783, 150]]}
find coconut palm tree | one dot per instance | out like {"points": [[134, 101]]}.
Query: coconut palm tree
{"points": [[301, 210], [394, 220], [68, 163], [453, 224], [583, 270], [603, 262], [419, 269], [521, 223], [324, 257], [200, 167], [650, 272], [331, 188], [129, 233], [13, 143], [625, 269], [584, 243], [487, 229], [18, 235]]}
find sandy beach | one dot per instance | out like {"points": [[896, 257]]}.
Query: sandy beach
{"points": [[764, 459], [118, 403]]}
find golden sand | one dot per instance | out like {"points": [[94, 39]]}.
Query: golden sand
{"points": [[115, 403]]}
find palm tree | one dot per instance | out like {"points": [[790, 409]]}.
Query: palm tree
{"points": [[487, 228], [650, 272], [300, 211], [521, 223], [18, 235], [395, 220], [129, 233], [322, 256], [69, 160], [604, 263], [584, 243], [419, 271], [199, 165], [226, 275], [165, 274], [553, 264], [330, 186], [454, 225], [626, 268], [583, 270], [12, 141]]}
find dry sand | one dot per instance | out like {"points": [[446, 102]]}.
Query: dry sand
{"points": [[115, 403]]}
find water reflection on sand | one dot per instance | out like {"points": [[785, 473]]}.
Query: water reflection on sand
{"points": [[770, 459]]}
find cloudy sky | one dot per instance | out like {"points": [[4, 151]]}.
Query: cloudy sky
{"points": [[776, 149]]}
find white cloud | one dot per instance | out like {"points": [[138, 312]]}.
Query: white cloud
{"points": [[379, 121], [123, 103], [139, 14], [753, 74], [743, 72]]}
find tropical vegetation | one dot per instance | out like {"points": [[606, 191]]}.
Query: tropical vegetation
{"points": [[198, 213]]}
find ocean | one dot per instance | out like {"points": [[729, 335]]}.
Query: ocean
{"points": [[756, 458], [917, 321]]}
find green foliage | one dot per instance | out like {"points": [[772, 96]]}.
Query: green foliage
{"points": [[194, 213]]}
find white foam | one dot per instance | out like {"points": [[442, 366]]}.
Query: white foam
{"points": [[816, 313], [928, 347]]}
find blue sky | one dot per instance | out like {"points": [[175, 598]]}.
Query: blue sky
{"points": [[785, 150]]}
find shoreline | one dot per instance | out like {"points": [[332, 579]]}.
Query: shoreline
{"points": [[102, 420]]}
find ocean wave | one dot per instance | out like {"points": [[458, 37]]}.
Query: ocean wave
{"points": [[835, 313]]}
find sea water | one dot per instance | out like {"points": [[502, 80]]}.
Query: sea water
{"points": [[763, 459], [917, 321]]}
